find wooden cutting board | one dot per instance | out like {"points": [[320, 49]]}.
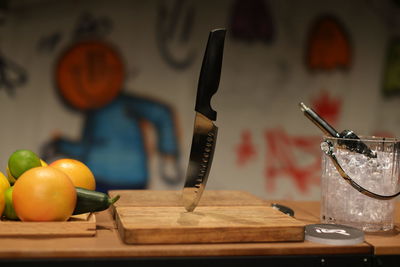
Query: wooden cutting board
{"points": [[143, 222], [170, 198], [77, 225]]}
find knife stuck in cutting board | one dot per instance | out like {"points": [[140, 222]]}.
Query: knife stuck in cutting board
{"points": [[205, 132]]}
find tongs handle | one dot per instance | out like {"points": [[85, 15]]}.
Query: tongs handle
{"points": [[318, 121]]}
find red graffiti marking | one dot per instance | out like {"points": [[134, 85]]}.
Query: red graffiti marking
{"points": [[245, 150], [297, 157]]}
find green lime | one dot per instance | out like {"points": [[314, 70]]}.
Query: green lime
{"points": [[21, 161], [9, 211]]}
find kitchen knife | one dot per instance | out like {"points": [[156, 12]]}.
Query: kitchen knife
{"points": [[205, 132]]}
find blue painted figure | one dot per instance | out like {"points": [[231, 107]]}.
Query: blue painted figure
{"points": [[112, 142], [90, 75]]}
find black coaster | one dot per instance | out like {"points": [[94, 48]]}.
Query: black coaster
{"points": [[333, 234]]}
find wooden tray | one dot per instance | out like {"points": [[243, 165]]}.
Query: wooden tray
{"points": [[229, 219], [78, 225]]}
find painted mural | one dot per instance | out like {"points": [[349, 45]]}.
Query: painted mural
{"points": [[12, 75], [391, 76], [113, 84], [174, 26], [328, 45], [90, 78], [252, 20]]}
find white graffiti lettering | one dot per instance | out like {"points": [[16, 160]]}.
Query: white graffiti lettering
{"points": [[331, 231]]}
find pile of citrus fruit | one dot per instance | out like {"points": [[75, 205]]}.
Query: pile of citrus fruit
{"points": [[36, 191]]}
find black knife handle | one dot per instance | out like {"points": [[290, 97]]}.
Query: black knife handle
{"points": [[210, 73]]}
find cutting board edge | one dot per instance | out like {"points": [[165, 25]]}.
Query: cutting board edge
{"points": [[197, 237]]}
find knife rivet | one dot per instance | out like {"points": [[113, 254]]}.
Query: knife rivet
{"points": [[205, 159], [206, 155]]}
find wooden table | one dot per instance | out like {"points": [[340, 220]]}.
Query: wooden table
{"points": [[108, 246], [383, 243]]}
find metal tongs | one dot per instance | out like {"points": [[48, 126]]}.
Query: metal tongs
{"points": [[344, 136], [348, 140]]}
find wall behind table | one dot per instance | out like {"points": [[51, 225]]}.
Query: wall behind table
{"points": [[260, 87]]}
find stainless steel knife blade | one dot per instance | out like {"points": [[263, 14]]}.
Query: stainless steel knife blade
{"points": [[205, 132], [201, 156]]}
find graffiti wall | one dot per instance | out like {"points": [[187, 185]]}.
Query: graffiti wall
{"points": [[113, 83]]}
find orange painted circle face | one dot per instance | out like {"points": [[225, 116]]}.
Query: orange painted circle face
{"points": [[90, 74]]}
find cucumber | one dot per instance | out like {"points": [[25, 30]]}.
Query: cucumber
{"points": [[92, 201]]}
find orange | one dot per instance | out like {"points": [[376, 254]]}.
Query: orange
{"points": [[2, 201], [44, 194], [78, 172], [4, 183]]}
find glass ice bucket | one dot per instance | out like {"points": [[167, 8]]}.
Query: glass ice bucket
{"points": [[358, 187]]}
